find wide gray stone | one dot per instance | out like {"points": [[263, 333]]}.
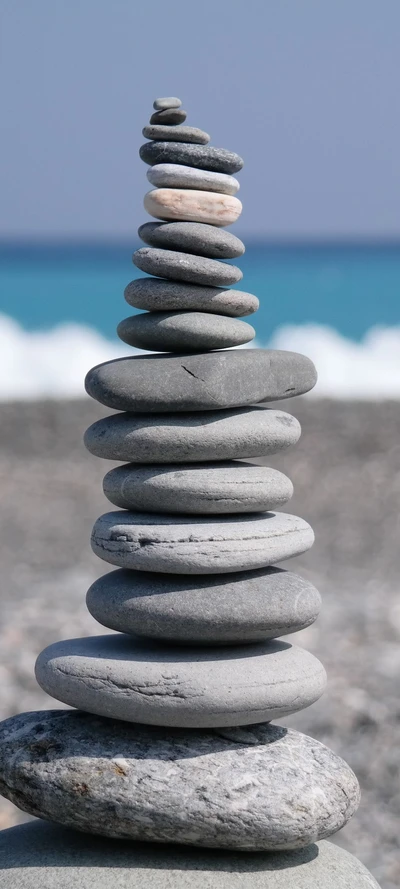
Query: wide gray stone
{"points": [[198, 488], [180, 176], [192, 237], [206, 157], [39, 855], [204, 381], [183, 331], [212, 610], [169, 116], [166, 102], [210, 545], [180, 438], [163, 132], [138, 680], [264, 788], [186, 267], [159, 294]]}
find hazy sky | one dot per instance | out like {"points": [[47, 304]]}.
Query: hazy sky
{"points": [[307, 91]]}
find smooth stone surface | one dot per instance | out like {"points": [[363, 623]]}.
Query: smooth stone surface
{"points": [[162, 132], [170, 116], [205, 381], [138, 680], [206, 157], [166, 102], [192, 237], [39, 855], [180, 438], [248, 607], [189, 205], [180, 176], [156, 294], [198, 488], [186, 267], [175, 331], [151, 542]]}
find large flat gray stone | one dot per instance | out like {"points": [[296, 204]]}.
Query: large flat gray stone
{"points": [[206, 157], [184, 331], [180, 176], [192, 237], [186, 267], [160, 294]]}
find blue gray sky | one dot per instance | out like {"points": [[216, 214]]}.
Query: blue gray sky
{"points": [[307, 91]]}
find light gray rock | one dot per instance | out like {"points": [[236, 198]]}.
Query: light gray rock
{"points": [[192, 237], [170, 116], [166, 102], [204, 381], [210, 545], [210, 610], [138, 680], [198, 488], [183, 331], [163, 132], [186, 267], [218, 160], [180, 176], [264, 788], [180, 438], [158, 294]]}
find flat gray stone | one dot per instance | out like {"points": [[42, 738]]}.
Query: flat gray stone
{"points": [[166, 102], [204, 381], [206, 157], [186, 267], [180, 438], [180, 176], [198, 488], [138, 680], [163, 132], [210, 545], [261, 789], [210, 610], [159, 294], [170, 116], [39, 855], [183, 331], [192, 237]]}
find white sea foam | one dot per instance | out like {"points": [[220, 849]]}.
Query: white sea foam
{"points": [[54, 363]]}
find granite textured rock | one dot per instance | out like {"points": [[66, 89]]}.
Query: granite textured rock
{"points": [[209, 610], [158, 294], [192, 237], [162, 132], [169, 116], [180, 176], [166, 102], [192, 206], [189, 331], [206, 157], [186, 267]]}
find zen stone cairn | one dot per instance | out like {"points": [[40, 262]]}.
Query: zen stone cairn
{"points": [[170, 746]]}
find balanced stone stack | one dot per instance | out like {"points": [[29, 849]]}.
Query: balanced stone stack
{"points": [[171, 743]]}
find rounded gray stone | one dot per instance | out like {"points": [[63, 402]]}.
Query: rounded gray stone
{"points": [[180, 176], [162, 132], [180, 438], [158, 294], [198, 488], [138, 680], [39, 855], [262, 788], [248, 607], [166, 102], [183, 331], [206, 157], [186, 267], [192, 237], [210, 545], [170, 116]]}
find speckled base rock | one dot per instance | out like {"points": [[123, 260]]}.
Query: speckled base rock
{"points": [[176, 331], [157, 294], [180, 176], [193, 206], [192, 237], [186, 267], [161, 132], [218, 160]]}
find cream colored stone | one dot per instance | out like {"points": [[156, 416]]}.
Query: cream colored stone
{"points": [[193, 206]]}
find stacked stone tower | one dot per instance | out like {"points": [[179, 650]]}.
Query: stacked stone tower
{"points": [[171, 740]]}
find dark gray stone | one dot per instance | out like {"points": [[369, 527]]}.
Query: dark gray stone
{"points": [[183, 331], [192, 237], [214, 610], [162, 132], [218, 160], [179, 176], [170, 116], [166, 102], [204, 381], [155, 294], [186, 267]]}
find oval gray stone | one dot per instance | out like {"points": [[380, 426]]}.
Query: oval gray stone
{"points": [[204, 381], [180, 438], [214, 610], [211, 545], [180, 176], [170, 116], [183, 331], [198, 488], [166, 102], [206, 157], [192, 237], [163, 132], [137, 680], [156, 294], [186, 267]]}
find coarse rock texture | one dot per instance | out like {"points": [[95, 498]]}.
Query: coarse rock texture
{"points": [[246, 607], [44, 856], [162, 132], [180, 176], [192, 437], [166, 102], [156, 294], [186, 267], [218, 160], [205, 381], [235, 789], [193, 206], [169, 116], [192, 237], [197, 545], [178, 331]]}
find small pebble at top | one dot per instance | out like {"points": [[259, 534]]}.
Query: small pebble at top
{"points": [[167, 102]]}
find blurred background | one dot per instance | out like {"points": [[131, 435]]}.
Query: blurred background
{"points": [[307, 93]]}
